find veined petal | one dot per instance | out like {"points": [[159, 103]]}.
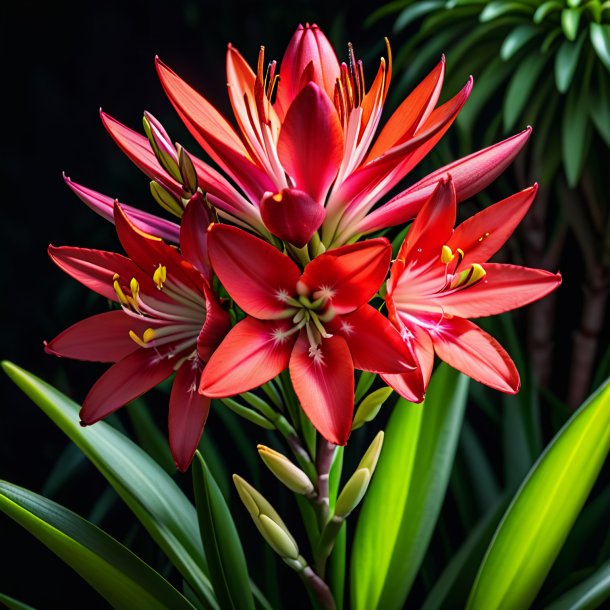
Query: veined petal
{"points": [[308, 49], [503, 288], [101, 338], [413, 111], [474, 172], [188, 411], [251, 354], [324, 384], [350, 275], [104, 206], [467, 348], [483, 234], [194, 235], [95, 269], [375, 345], [310, 145], [216, 326], [255, 274], [125, 381]]}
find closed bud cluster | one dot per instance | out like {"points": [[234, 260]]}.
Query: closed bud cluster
{"points": [[287, 472]]}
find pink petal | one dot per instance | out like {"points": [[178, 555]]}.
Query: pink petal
{"points": [[352, 274], [310, 145], [216, 326], [101, 338], [308, 47], [375, 345], [413, 111], [252, 353], [95, 269], [104, 206], [188, 411], [325, 386], [254, 273], [503, 288], [472, 351], [292, 215], [483, 234], [194, 235], [125, 381]]}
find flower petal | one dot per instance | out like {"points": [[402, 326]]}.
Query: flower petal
{"points": [[324, 385], [375, 345], [104, 206], [95, 269], [188, 411], [351, 274], [101, 338], [472, 351], [310, 145], [125, 381], [483, 234], [253, 272], [216, 326], [503, 288], [251, 354], [194, 235]]}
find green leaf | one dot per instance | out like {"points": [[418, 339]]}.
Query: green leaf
{"points": [[414, 11], [109, 567], [226, 560], [516, 40], [13, 604], [402, 504], [521, 86], [575, 133], [544, 510], [570, 20], [496, 9], [600, 39], [590, 593], [566, 62], [545, 9], [144, 486]]}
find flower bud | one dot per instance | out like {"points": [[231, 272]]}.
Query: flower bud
{"points": [[162, 146], [292, 215], [188, 172], [369, 459], [267, 521], [287, 472], [166, 200], [370, 406]]}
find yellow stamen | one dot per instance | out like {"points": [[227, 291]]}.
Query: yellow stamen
{"points": [[159, 276], [137, 339], [149, 335], [447, 255], [484, 236], [469, 277], [119, 291]]}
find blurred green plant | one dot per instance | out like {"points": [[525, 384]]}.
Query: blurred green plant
{"points": [[544, 63]]}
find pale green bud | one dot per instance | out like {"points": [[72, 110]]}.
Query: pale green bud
{"points": [[352, 493], [370, 406], [166, 200], [188, 172], [249, 414], [162, 146], [287, 472], [281, 542], [369, 459]]}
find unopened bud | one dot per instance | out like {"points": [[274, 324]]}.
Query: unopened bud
{"points": [[369, 459], [188, 172], [166, 200], [162, 146], [287, 472], [267, 521], [352, 493], [370, 406], [249, 414]]}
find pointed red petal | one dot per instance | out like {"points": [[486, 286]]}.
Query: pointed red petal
{"points": [[95, 269], [194, 235], [101, 338], [252, 271], [325, 386], [483, 234], [125, 381], [352, 274], [472, 351], [188, 411], [375, 345], [251, 354], [310, 145], [503, 288], [292, 215], [216, 326]]}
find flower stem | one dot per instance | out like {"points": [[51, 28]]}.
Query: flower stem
{"points": [[319, 588], [324, 461]]}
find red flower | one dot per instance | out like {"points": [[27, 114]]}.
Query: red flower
{"points": [[317, 323], [170, 320], [441, 277]]}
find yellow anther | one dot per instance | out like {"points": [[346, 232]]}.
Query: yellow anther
{"points": [[135, 287], [478, 273], [469, 277], [484, 236], [137, 339], [119, 291], [149, 335], [278, 197], [159, 276], [447, 255]]}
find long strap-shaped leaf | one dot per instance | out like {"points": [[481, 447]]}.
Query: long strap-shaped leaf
{"points": [[590, 593], [108, 566], [403, 502], [146, 488], [544, 510]]}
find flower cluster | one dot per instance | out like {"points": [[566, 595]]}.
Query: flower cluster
{"points": [[274, 266]]}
